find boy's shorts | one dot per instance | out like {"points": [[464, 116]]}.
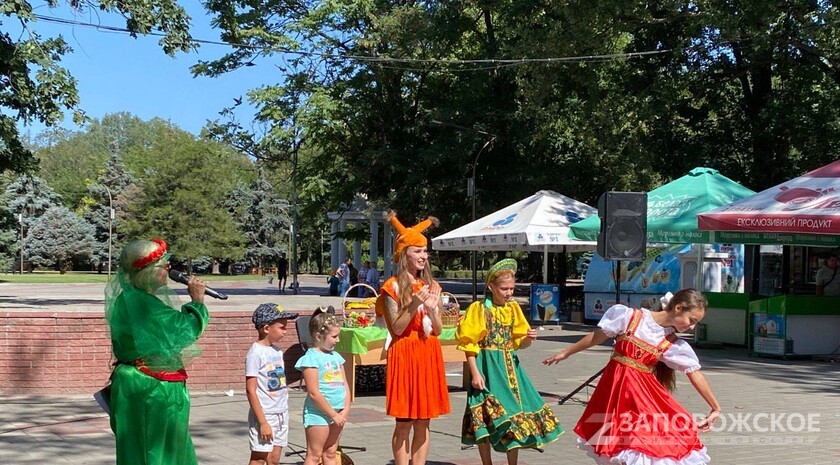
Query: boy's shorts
{"points": [[279, 423]]}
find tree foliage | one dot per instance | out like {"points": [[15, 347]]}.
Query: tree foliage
{"points": [[185, 183], [264, 218], [33, 84], [58, 237], [401, 102]]}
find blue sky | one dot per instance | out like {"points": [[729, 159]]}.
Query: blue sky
{"points": [[116, 72]]}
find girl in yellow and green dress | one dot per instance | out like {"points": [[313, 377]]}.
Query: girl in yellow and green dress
{"points": [[504, 410]]}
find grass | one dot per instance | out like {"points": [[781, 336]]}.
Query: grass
{"points": [[85, 277]]}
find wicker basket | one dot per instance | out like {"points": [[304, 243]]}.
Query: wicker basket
{"points": [[358, 305], [451, 315]]}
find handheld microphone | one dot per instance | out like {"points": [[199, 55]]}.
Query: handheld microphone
{"points": [[177, 276]]}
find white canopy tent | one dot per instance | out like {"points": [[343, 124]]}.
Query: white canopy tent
{"points": [[538, 223]]}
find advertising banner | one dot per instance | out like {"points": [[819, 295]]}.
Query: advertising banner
{"points": [[545, 303]]}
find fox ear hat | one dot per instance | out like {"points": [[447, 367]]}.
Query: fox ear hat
{"points": [[412, 236]]}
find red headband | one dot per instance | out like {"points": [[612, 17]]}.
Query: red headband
{"points": [[152, 257]]}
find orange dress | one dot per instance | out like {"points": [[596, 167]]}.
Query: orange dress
{"points": [[415, 380]]}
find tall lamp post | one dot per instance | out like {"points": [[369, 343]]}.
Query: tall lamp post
{"points": [[471, 191], [20, 220], [110, 225], [296, 144]]}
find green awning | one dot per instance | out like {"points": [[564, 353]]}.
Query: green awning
{"points": [[673, 208]]}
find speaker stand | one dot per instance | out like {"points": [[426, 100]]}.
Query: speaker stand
{"points": [[587, 383], [617, 272]]}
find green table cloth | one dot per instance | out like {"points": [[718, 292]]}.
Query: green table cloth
{"points": [[355, 340]]}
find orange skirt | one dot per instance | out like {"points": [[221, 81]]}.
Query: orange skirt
{"points": [[415, 381]]}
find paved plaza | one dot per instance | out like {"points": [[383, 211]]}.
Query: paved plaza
{"points": [[774, 411]]}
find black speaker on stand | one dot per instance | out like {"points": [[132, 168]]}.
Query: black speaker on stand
{"points": [[623, 233], [623, 237]]}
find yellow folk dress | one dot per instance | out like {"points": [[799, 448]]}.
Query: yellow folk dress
{"points": [[509, 412]]}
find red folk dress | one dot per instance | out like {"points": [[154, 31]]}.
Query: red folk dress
{"points": [[631, 418], [415, 380]]}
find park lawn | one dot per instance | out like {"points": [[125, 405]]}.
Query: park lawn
{"points": [[49, 277]]}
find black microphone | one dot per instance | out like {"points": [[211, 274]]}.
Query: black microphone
{"points": [[177, 276]]}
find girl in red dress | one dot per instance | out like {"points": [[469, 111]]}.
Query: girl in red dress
{"points": [[632, 417], [415, 381]]}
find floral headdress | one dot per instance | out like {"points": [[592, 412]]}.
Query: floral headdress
{"points": [[152, 257]]}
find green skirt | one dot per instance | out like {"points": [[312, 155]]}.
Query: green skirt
{"points": [[509, 413], [150, 419]]}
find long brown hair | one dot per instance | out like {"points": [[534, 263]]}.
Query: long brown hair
{"points": [[690, 299], [404, 279]]}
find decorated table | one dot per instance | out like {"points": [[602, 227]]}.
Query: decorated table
{"points": [[364, 346]]}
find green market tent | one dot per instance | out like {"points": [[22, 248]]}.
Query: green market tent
{"points": [[673, 208]]}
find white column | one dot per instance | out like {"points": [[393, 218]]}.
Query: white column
{"points": [[388, 252], [357, 253], [374, 240], [334, 260], [342, 247]]}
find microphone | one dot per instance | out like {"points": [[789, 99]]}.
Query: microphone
{"points": [[177, 276]]}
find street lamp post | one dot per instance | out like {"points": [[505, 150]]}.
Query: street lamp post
{"points": [[110, 226], [471, 191], [295, 147], [20, 220]]}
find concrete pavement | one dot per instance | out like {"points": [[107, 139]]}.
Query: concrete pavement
{"points": [[774, 411]]}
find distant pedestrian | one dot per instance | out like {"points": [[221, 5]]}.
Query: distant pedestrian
{"points": [[333, 281], [361, 278], [265, 386], [282, 272], [344, 277], [631, 417], [372, 279], [828, 283]]}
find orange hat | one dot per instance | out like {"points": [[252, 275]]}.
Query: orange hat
{"points": [[410, 236]]}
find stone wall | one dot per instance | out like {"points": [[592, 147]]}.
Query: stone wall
{"points": [[70, 353]]}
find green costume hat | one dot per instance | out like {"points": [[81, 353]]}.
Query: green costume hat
{"points": [[492, 274]]}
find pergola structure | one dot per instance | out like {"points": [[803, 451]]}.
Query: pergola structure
{"points": [[358, 214]]}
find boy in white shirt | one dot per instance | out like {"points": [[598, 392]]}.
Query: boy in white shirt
{"points": [[265, 386]]}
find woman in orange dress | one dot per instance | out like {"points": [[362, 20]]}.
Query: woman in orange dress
{"points": [[415, 383]]}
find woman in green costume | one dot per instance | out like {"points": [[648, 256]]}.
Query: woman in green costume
{"points": [[151, 340], [504, 410]]}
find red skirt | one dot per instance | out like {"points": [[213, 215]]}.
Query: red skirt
{"points": [[631, 411]]}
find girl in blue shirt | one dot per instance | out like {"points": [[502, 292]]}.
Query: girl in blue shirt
{"points": [[327, 404]]}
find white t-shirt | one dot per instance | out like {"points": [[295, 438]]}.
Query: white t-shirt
{"points": [[266, 364], [344, 273], [824, 278], [679, 357]]}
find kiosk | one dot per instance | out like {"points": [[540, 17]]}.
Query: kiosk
{"points": [[788, 325]]}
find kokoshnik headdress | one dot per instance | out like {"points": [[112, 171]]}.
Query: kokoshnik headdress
{"points": [[508, 264]]}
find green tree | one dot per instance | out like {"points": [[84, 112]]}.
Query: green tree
{"points": [[36, 87], [111, 189], [185, 184], [58, 237], [31, 196], [9, 228], [263, 218]]}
